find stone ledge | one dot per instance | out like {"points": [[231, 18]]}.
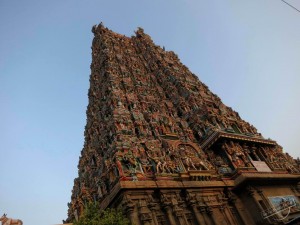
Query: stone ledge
{"points": [[266, 177], [172, 184], [162, 184]]}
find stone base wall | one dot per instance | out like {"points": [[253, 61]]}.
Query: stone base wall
{"points": [[199, 202]]}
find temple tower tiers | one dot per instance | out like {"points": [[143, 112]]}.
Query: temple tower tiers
{"points": [[162, 146]]}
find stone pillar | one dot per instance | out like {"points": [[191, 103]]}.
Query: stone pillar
{"points": [[152, 207], [226, 216], [242, 213], [211, 215], [238, 206], [144, 213], [199, 217], [207, 220], [180, 216], [130, 211], [171, 218], [230, 216]]}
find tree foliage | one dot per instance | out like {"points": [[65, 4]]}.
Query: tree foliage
{"points": [[113, 217], [93, 216]]}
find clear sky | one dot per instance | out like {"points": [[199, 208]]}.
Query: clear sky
{"points": [[246, 51]]}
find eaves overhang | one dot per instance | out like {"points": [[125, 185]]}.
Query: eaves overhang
{"points": [[212, 138]]}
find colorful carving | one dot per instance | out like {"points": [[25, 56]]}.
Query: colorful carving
{"points": [[146, 119]]}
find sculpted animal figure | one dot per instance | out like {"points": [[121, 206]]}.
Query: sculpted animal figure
{"points": [[9, 221]]}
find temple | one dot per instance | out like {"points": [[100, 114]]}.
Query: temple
{"points": [[164, 148]]}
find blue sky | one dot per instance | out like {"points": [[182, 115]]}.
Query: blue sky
{"points": [[247, 52]]}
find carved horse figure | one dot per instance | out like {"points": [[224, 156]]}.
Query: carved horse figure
{"points": [[9, 221]]}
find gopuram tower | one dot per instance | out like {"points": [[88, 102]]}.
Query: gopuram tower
{"points": [[162, 146]]}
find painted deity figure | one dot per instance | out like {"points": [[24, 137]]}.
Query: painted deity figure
{"points": [[171, 165], [237, 161], [172, 159], [228, 149], [159, 160], [218, 162], [191, 160], [144, 161], [186, 159], [270, 157], [129, 161], [239, 155]]}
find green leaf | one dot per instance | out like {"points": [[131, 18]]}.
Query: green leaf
{"points": [[92, 215]]}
